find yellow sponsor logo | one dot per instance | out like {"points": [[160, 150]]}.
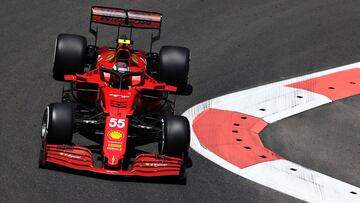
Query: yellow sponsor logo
{"points": [[116, 135], [124, 41]]}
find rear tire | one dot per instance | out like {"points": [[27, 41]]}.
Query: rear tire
{"points": [[57, 125], [69, 56], [174, 66]]}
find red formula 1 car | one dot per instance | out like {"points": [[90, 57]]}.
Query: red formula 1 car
{"points": [[118, 97]]}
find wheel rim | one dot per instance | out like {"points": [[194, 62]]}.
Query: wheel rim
{"points": [[55, 50], [45, 124], [163, 136]]}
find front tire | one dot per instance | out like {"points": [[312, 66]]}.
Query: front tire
{"points": [[57, 125], [175, 141], [175, 136]]}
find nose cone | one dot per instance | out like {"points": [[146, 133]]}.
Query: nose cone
{"points": [[112, 162]]}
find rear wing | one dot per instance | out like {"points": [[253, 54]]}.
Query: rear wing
{"points": [[126, 18]]}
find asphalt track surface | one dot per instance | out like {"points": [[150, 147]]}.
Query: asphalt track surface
{"points": [[235, 45]]}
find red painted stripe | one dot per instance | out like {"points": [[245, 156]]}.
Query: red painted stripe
{"points": [[335, 86], [233, 136]]}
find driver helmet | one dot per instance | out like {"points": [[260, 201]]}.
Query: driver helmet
{"points": [[120, 67]]}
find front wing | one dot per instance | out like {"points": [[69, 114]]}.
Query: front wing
{"points": [[80, 158]]}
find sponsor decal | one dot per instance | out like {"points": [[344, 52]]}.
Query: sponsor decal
{"points": [[70, 156], [119, 95], [144, 16], [109, 12], [110, 57], [124, 21], [116, 135], [115, 95], [113, 146], [114, 142], [107, 75], [134, 59], [155, 164], [136, 78]]}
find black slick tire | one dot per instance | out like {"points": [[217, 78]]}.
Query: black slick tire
{"points": [[69, 55]]}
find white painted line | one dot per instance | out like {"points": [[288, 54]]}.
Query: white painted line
{"points": [[279, 102], [271, 103], [301, 182]]}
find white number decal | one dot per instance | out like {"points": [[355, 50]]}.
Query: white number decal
{"points": [[120, 123]]}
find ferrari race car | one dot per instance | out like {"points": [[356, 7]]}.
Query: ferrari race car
{"points": [[119, 98]]}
